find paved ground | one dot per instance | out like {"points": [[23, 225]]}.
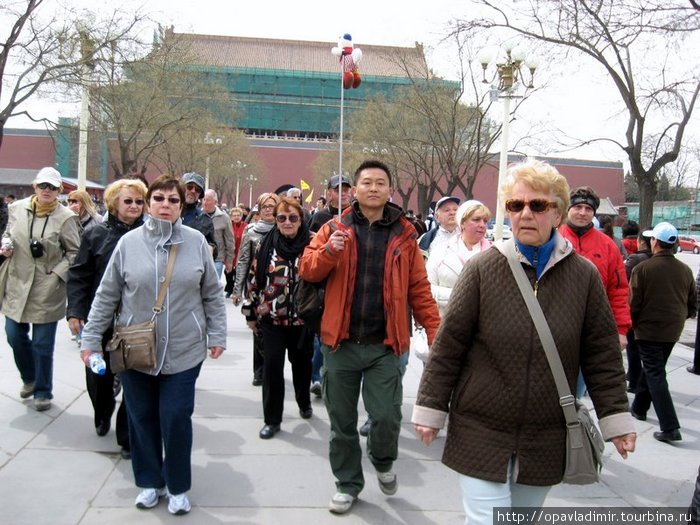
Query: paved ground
{"points": [[55, 470]]}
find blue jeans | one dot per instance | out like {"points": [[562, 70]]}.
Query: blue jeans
{"points": [[160, 427], [219, 265], [479, 497], [316, 361], [33, 357]]}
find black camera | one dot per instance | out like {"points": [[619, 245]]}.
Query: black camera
{"points": [[36, 248]]}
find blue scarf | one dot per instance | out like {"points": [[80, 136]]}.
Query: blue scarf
{"points": [[538, 256]]}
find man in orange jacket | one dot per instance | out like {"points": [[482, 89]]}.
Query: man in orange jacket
{"points": [[375, 276]]}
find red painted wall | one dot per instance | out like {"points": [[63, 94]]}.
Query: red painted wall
{"points": [[27, 152]]}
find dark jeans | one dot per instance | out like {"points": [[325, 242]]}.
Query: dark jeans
{"points": [[294, 340], [160, 427], [634, 362], [230, 280], [653, 387], [101, 391], [33, 357]]}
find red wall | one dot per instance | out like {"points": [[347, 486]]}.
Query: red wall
{"points": [[27, 152]]}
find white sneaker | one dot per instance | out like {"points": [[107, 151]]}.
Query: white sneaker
{"points": [[387, 482], [341, 503], [148, 498], [179, 504]]}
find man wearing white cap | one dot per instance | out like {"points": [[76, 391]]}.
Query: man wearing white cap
{"points": [[662, 297], [445, 214]]}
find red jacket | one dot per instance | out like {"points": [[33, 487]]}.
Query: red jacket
{"points": [[405, 284], [602, 251]]}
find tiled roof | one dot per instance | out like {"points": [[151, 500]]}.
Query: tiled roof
{"points": [[295, 55]]}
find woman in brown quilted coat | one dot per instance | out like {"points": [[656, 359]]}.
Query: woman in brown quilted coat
{"points": [[488, 370]]}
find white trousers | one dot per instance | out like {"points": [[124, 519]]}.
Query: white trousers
{"points": [[479, 497]]}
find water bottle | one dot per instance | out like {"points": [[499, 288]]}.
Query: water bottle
{"points": [[97, 364]]}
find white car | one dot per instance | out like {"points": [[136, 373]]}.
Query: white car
{"points": [[507, 233]]}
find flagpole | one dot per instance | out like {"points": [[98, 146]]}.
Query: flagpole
{"points": [[340, 156]]}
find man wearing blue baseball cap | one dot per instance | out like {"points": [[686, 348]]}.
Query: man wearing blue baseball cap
{"points": [[662, 297]]}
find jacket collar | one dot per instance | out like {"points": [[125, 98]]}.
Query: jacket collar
{"points": [[163, 232], [562, 249]]}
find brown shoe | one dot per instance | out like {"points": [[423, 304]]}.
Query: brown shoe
{"points": [[42, 404], [26, 391]]}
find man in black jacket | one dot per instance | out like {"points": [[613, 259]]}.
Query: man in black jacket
{"points": [[662, 296], [192, 215], [338, 187]]}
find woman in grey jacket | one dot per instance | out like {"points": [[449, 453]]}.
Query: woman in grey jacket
{"points": [[160, 401]]}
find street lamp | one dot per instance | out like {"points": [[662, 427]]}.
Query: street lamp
{"points": [[509, 76], [252, 179], [212, 140], [240, 166]]}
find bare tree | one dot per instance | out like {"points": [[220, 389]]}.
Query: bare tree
{"points": [[637, 46], [41, 52]]}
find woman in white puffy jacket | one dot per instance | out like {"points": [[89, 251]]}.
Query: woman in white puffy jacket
{"points": [[445, 264]]}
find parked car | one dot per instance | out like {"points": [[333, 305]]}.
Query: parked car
{"points": [[689, 243]]}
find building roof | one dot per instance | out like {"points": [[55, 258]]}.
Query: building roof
{"points": [[296, 55], [25, 177]]}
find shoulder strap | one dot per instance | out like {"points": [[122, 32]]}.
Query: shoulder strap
{"points": [[172, 253], [566, 400]]}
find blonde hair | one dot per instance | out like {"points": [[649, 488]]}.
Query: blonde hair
{"points": [[540, 176], [265, 196], [469, 208], [113, 190], [86, 204]]}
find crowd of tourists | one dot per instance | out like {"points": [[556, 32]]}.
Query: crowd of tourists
{"points": [[143, 287]]}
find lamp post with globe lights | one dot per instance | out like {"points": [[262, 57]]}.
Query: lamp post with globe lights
{"points": [[509, 76]]}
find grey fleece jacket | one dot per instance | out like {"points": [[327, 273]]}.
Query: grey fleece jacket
{"points": [[194, 312]]}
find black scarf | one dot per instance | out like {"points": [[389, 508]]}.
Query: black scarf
{"points": [[579, 230], [288, 249]]}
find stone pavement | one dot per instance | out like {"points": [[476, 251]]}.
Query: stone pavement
{"points": [[55, 470]]}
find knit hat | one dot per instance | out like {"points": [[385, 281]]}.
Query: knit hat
{"points": [[196, 179], [584, 195], [467, 208]]}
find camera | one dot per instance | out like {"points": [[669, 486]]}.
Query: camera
{"points": [[36, 248]]}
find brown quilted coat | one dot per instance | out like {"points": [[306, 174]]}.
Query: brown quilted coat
{"points": [[489, 371]]}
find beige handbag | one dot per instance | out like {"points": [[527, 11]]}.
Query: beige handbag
{"points": [[584, 443], [134, 346]]}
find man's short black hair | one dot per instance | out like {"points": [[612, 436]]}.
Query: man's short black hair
{"points": [[665, 245], [372, 163], [630, 228]]}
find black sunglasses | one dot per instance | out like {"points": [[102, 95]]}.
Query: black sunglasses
{"points": [[535, 205], [139, 202], [72, 201], [291, 218], [46, 186], [161, 198]]}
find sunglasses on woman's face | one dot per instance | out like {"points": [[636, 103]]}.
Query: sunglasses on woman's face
{"points": [[46, 186], [291, 218], [161, 198], [535, 205], [72, 201], [139, 202]]}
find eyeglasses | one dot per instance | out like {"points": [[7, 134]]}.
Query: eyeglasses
{"points": [[268, 207], [192, 187], [291, 218], [161, 198], [46, 186], [70, 201], [535, 205], [139, 202]]}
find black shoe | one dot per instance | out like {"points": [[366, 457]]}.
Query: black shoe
{"points": [[639, 417], [364, 429], [103, 428], [668, 436], [125, 453], [268, 431], [693, 370], [257, 381], [306, 413]]}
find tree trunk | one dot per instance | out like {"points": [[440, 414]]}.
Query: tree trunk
{"points": [[647, 195]]}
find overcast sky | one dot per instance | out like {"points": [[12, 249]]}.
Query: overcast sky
{"points": [[573, 103]]}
